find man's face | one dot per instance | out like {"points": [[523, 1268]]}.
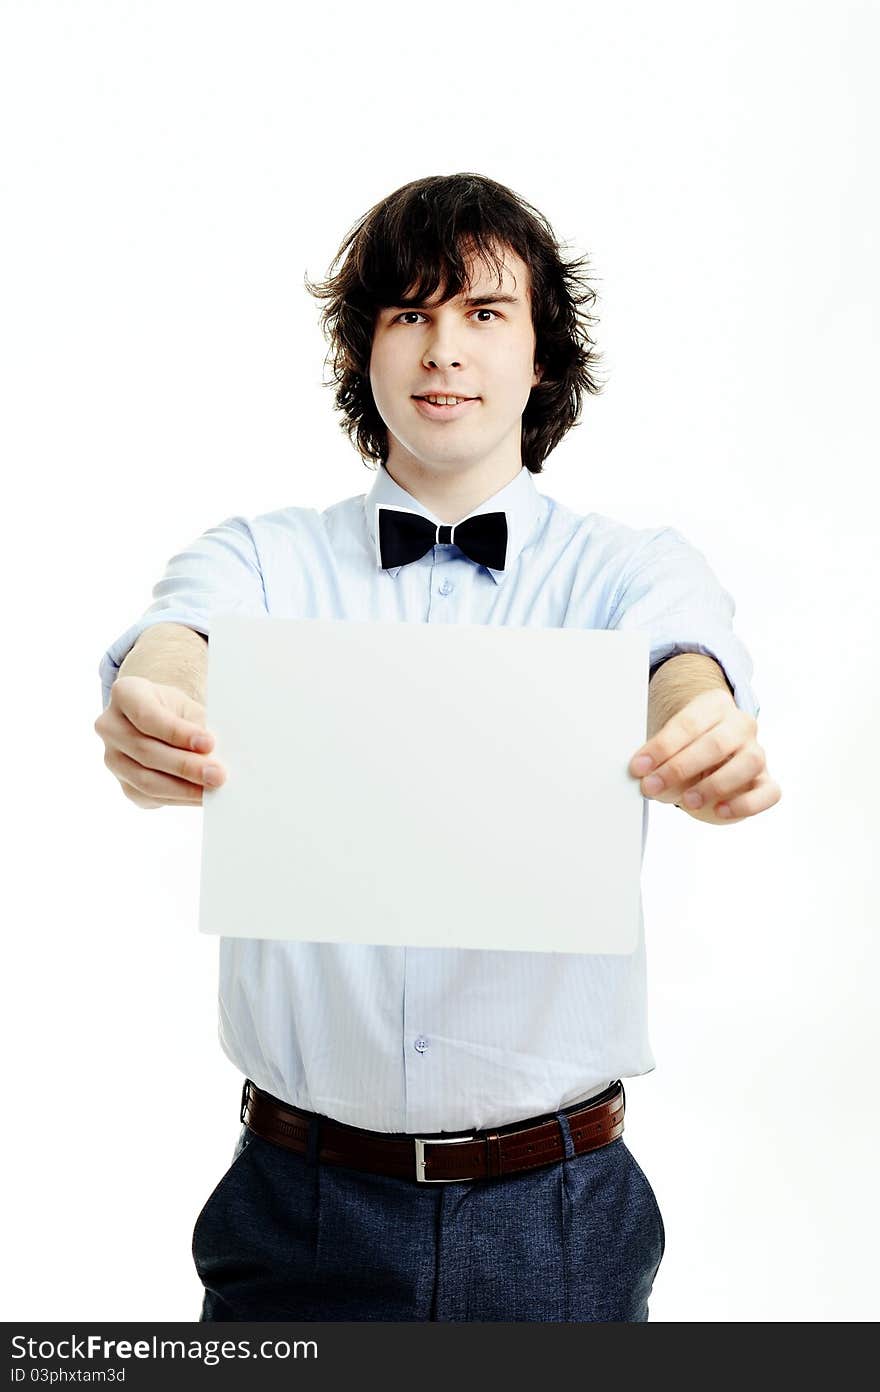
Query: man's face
{"points": [[481, 351]]}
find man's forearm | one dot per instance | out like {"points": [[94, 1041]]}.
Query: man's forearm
{"points": [[678, 681], [172, 654]]}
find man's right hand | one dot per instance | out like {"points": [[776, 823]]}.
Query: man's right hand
{"points": [[156, 743]]}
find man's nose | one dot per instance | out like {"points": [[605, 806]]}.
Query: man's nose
{"points": [[439, 360], [441, 349]]}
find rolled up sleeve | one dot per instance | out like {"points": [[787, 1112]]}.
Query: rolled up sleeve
{"points": [[217, 573], [671, 592]]}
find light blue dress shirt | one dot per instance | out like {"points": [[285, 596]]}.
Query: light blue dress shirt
{"points": [[420, 1040]]}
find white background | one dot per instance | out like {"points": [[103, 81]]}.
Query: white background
{"points": [[170, 173]]}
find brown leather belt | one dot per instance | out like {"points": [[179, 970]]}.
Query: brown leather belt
{"points": [[523, 1145]]}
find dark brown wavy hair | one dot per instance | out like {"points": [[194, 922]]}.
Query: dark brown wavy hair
{"points": [[420, 237]]}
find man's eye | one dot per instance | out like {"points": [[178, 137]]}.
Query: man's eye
{"points": [[418, 315]]}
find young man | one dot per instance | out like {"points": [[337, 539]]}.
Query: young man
{"points": [[461, 356]]}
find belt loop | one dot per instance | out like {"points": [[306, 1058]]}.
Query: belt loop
{"points": [[567, 1142], [313, 1144], [493, 1155], [245, 1095]]}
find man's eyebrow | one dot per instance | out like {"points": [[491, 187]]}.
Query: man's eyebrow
{"points": [[492, 299], [471, 300]]}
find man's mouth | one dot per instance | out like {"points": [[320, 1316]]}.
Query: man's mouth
{"points": [[444, 398], [439, 407]]}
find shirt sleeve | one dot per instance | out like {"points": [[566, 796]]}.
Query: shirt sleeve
{"points": [[219, 572], [670, 590]]}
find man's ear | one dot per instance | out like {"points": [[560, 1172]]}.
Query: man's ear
{"points": [[537, 375]]}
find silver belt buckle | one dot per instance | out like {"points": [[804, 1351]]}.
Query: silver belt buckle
{"points": [[420, 1159]]}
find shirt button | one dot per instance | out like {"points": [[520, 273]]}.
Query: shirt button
{"points": [[446, 587], [421, 1044]]}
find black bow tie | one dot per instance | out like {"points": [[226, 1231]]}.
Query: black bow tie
{"points": [[404, 536]]}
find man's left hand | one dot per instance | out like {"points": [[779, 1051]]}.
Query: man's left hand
{"points": [[708, 750]]}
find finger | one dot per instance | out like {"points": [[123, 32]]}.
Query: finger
{"points": [[677, 797], [150, 784], [746, 804], [701, 714], [690, 766], [150, 717], [155, 754], [737, 775]]}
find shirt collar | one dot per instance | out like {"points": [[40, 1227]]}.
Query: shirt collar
{"points": [[520, 500]]}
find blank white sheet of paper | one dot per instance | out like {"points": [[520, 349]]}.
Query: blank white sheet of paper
{"points": [[424, 785]]}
